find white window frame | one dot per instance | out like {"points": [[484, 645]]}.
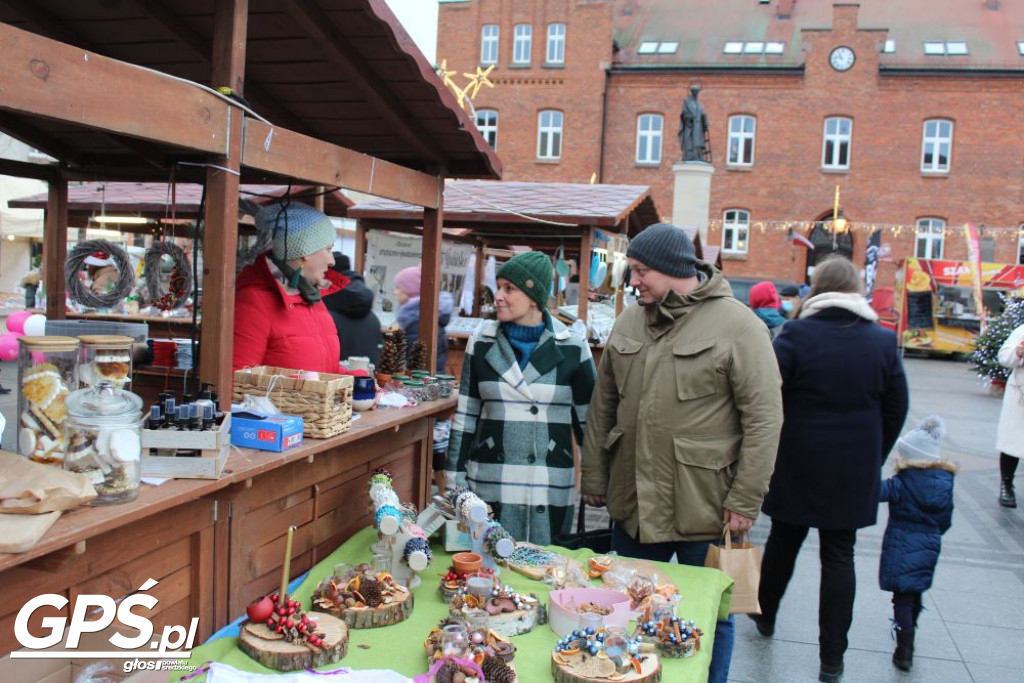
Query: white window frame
{"points": [[489, 127], [489, 37], [550, 124], [742, 139], [555, 53], [932, 144], [838, 139], [522, 44], [929, 232], [737, 229], [649, 133]]}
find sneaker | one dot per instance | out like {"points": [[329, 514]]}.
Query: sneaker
{"points": [[765, 626]]}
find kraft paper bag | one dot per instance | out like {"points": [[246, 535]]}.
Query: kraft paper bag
{"points": [[741, 562], [29, 488]]}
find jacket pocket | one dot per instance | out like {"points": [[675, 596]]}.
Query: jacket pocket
{"points": [[694, 362], [705, 468], [624, 355]]}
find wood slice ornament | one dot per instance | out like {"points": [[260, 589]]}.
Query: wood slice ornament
{"points": [[350, 600], [274, 651], [359, 617], [582, 667]]}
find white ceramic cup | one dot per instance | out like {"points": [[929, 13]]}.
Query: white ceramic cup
{"points": [[359, 363]]}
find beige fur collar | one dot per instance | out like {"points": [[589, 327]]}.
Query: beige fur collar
{"points": [[902, 464], [854, 303]]}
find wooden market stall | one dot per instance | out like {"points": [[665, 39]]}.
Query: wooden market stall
{"points": [[576, 218], [329, 93]]}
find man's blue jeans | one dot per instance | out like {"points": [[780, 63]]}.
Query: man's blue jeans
{"points": [[691, 553]]}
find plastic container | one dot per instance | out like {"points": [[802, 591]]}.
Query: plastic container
{"points": [[105, 357], [103, 432], [47, 374]]}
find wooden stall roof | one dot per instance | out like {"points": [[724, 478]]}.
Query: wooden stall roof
{"points": [[152, 199], [488, 205], [342, 71]]}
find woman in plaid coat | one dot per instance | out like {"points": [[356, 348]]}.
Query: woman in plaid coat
{"points": [[525, 388]]}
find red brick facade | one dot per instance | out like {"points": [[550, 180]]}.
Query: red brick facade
{"points": [[786, 182]]}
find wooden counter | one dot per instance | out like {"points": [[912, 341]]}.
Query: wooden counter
{"points": [[215, 545]]}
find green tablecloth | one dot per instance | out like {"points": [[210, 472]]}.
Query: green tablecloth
{"points": [[705, 595]]}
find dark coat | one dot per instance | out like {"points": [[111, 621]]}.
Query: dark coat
{"points": [[844, 399], [358, 328], [408, 318], [920, 499]]}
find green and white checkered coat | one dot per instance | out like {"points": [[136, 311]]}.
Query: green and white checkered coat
{"points": [[511, 439]]}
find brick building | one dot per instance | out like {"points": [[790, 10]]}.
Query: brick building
{"points": [[912, 108]]}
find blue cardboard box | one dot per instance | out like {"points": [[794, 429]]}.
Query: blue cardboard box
{"points": [[265, 432]]}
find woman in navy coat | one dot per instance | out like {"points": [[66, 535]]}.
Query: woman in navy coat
{"points": [[844, 400]]}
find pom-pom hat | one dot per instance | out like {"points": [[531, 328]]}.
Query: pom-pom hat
{"points": [[296, 230], [408, 281], [925, 441]]}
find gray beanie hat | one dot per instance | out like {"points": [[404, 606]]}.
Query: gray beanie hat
{"points": [[924, 442], [296, 230], [666, 249]]}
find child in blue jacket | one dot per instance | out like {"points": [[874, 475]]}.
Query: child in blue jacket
{"points": [[920, 498]]}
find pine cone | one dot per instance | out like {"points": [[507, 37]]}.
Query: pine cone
{"points": [[418, 356], [496, 671], [446, 672], [370, 589], [401, 349]]}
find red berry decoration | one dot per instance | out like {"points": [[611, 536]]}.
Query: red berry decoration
{"points": [[275, 597]]}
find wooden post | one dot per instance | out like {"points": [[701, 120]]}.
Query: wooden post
{"points": [[55, 249], [586, 248], [430, 284], [478, 278], [220, 238], [360, 261]]}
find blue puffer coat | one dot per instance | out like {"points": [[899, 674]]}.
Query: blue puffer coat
{"points": [[920, 499]]}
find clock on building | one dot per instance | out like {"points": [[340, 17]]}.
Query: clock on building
{"points": [[842, 58]]}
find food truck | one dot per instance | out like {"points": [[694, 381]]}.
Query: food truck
{"points": [[935, 304]]}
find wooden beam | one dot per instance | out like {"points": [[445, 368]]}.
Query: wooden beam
{"points": [[55, 249], [26, 169], [220, 234], [360, 256], [298, 156], [478, 278], [339, 51], [47, 78], [586, 249], [430, 284]]}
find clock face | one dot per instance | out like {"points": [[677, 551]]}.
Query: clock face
{"points": [[842, 58]]}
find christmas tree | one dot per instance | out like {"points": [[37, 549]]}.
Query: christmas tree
{"points": [[983, 360], [418, 356]]}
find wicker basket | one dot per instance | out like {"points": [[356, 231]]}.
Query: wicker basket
{"points": [[325, 405]]}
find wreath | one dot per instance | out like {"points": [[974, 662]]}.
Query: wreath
{"points": [[180, 285], [99, 253]]}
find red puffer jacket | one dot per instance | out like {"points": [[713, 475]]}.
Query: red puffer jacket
{"points": [[273, 327]]}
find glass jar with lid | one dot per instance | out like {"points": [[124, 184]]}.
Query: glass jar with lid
{"points": [[103, 432], [431, 388], [446, 385], [47, 374], [105, 357], [414, 390]]}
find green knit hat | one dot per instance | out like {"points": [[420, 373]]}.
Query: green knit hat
{"points": [[530, 272], [296, 231]]}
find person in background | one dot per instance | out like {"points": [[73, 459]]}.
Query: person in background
{"points": [[790, 295], [524, 395], [359, 331], [1010, 435], [684, 423], [844, 396], [920, 498], [764, 301], [407, 295], [280, 317]]}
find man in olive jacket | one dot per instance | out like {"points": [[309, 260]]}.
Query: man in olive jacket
{"points": [[685, 418]]}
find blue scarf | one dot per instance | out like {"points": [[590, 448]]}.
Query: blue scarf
{"points": [[771, 317], [523, 339]]}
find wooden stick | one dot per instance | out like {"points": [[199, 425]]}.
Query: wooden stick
{"points": [[287, 566]]}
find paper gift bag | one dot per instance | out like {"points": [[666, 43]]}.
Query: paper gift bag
{"points": [[30, 488], [741, 562]]}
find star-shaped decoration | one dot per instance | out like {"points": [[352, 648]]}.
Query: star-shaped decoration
{"points": [[477, 80], [446, 78]]}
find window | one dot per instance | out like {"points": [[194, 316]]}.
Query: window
{"points": [[1020, 245], [647, 47], [489, 44], [737, 47], [935, 147], [948, 48], [1020, 47], [929, 237], [668, 48], [521, 44], [648, 138], [835, 151], [487, 124], [549, 134], [741, 140], [735, 229], [774, 48], [556, 44], [733, 48], [650, 47], [753, 48], [890, 46]]}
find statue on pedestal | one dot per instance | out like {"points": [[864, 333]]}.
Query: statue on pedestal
{"points": [[693, 127]]}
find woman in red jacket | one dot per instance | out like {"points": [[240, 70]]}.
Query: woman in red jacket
{"points": [[280, 319]]}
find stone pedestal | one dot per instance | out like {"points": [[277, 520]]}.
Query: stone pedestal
{"points": [[691, 197]]}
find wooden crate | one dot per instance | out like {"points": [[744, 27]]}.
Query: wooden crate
{"points": [[213, 447]]}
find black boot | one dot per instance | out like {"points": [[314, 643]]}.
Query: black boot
{"points": [[765, 626], [903, 657], [1006, 496], [830, 673]]}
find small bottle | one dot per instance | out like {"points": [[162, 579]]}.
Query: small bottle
{"points": [[156, 420], [208, 419], [196, 417], [170, 406], [181, 423]]}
